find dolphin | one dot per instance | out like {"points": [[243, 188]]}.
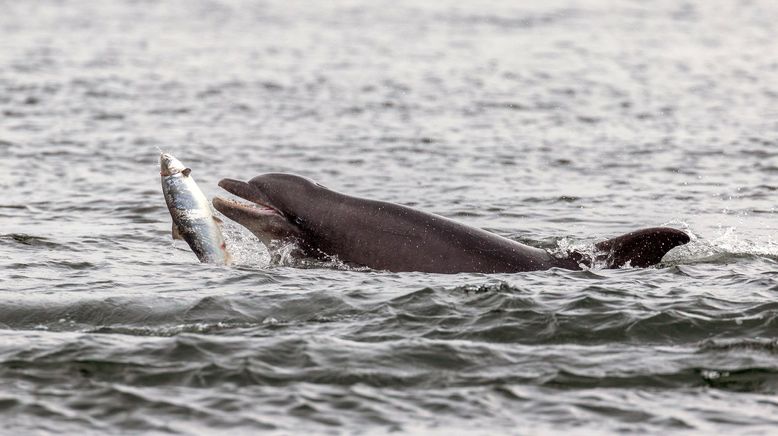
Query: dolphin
{"points": [[387, 236]]}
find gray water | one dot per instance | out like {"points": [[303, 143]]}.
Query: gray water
{"points": [[554, 123]]}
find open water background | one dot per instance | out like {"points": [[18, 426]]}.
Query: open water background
{"points": [[556, 123]]}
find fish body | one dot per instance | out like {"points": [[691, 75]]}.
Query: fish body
{"points": [[193, 218]]}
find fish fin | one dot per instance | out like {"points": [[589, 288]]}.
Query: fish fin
{"points": [[227, 255], [176, 233], [186, 172]]}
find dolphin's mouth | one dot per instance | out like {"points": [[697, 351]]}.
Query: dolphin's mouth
{"points": [[239, 211], [229, 207]]}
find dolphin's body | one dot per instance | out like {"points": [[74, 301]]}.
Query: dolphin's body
{"points": [[388, 236]]}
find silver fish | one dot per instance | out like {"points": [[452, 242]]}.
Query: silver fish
{"points": [[193, 219]]}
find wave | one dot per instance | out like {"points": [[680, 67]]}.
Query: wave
{"points": [[286, 358]]}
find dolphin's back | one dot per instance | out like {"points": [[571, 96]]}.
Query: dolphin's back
{"points": [[393, 237]]}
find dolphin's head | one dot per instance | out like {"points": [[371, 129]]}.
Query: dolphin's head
{"points": [[276, 200]]}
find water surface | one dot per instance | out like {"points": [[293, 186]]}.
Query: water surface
{"points": [[555, 124]]}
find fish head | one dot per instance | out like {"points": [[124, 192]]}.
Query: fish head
{"points": [[169, 165]]}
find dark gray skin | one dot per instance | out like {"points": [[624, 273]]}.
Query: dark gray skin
{"points": [[392, 237]]}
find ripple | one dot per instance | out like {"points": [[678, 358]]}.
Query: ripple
{"points": [[32, 241]]}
